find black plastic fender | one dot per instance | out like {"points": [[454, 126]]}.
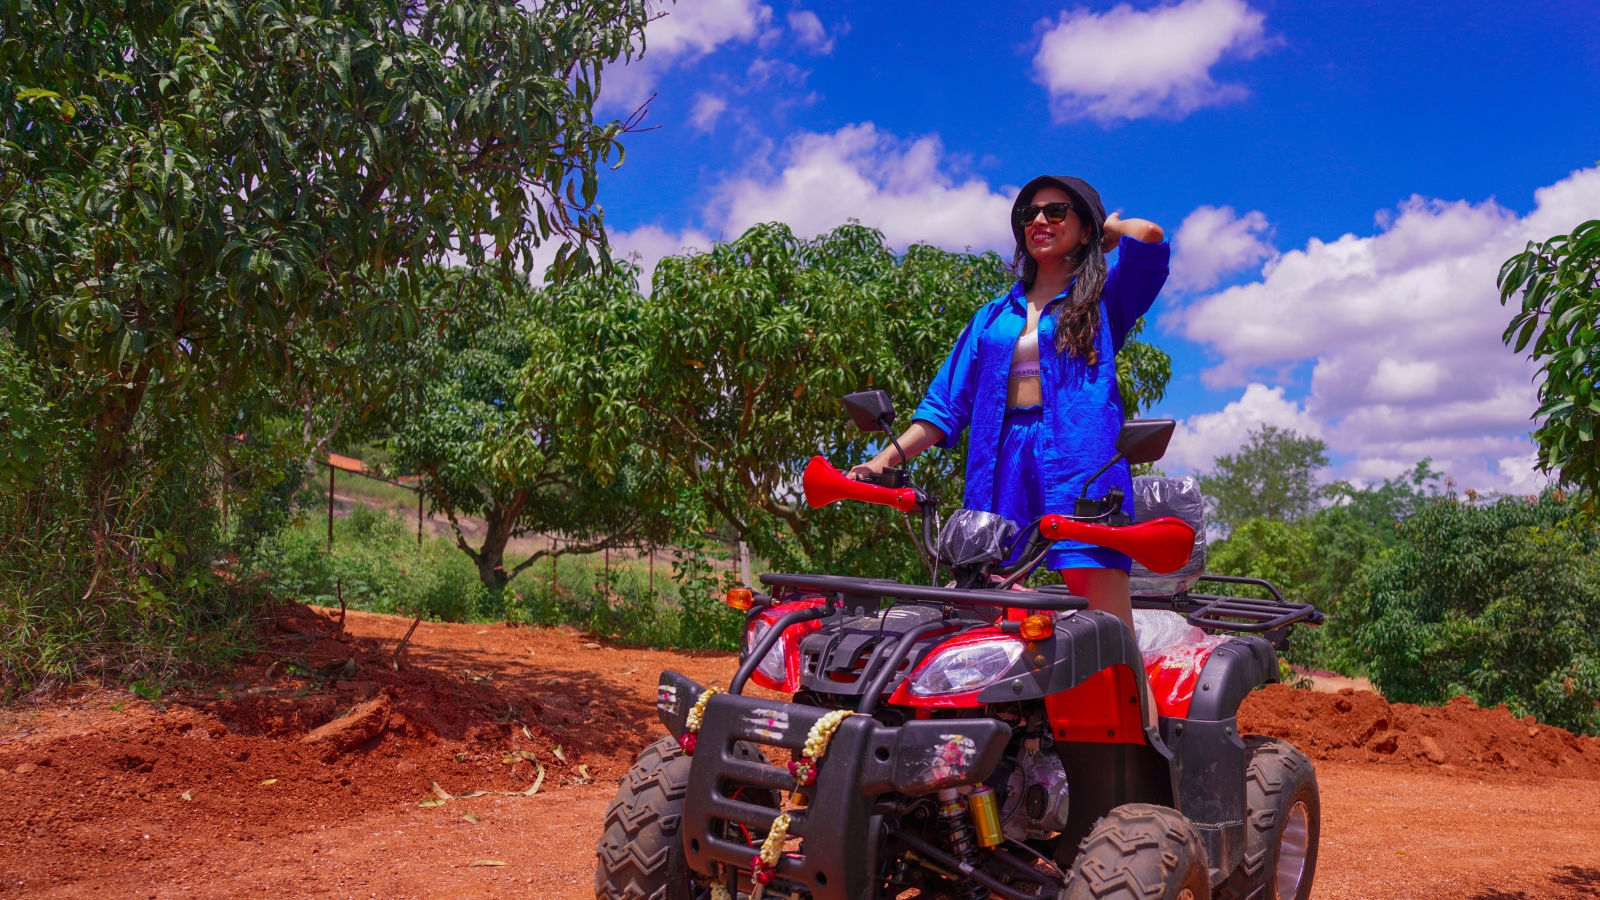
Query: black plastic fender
{"points": [[1208, 754]]}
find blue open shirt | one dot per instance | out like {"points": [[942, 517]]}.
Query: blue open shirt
{"points": [[1082, 407]]}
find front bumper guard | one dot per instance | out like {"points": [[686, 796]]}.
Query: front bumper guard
{"points": [[865, 759]]}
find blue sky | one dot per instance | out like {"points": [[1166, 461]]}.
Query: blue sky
{"points": [[1339, 181]]}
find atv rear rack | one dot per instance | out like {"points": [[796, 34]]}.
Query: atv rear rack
{"points": [[1210, 611]]}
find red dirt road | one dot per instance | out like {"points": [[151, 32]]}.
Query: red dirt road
{"points": [[1455, 802]]}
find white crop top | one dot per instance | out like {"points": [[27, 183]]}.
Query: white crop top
{"points": [[1025, 358]]}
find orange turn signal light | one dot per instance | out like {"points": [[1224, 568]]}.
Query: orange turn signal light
{"points": [[740, 598], [1037, 627]]}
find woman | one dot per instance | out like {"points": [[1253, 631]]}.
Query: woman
{"points": [[1034, 375]]}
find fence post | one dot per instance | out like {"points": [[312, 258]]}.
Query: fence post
{"points": [[744, 563], [652, 557], [330, 504], [419, 517]]}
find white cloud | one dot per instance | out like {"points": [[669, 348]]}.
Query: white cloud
{"points": [[906, 189], [707, 109], [1401, 329], [648, 244], [1201, 438], [1213, 242], [681, 33], [1129, 64], [809, 33]]}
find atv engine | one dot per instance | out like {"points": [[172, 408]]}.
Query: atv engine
{"points": [[1036, 795]]}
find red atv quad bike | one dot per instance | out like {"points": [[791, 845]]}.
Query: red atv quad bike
{"points": [[971, 739]]}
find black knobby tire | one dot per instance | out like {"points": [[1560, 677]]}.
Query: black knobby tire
{"points": [[641, 847], [1141, 852], [1282, 825]]}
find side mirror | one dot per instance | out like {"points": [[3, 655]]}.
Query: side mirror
{"points": [[1145, 440], [870, 410]]}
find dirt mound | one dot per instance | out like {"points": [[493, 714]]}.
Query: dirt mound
{"points": [[317, 728], [1360, 726]]}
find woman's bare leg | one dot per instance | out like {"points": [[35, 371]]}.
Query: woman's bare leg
{"points": [[1106, 590]]}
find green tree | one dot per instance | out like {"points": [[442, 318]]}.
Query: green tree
{"points": [[1273, 476], [483, 454], [732, 369], [195, 193], [1500, 602], [210, 208], [1559, 280]]}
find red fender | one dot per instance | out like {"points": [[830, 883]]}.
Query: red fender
{"points": [[824, 484], [1160, 545]]}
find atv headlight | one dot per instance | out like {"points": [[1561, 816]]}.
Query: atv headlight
{"points": [[968, 667], [773, 665]]}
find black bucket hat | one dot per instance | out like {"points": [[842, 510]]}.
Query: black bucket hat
{"points": [[1084, 199]]}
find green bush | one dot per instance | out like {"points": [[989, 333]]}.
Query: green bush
{"points": [[376, 562], [114, 580], [1499, 602], [1312, 559], [377, 565]]}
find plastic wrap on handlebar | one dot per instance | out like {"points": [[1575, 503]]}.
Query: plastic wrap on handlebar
{"points": [[824, 484], [1160, 545]]}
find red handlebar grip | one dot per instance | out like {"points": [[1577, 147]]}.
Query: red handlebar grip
{"points": [[824, 484], [1160, 545]]}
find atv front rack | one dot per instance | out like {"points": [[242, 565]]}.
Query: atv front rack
{"points": [[1210, 611]]}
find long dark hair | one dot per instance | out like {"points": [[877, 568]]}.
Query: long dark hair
{"points": [[1077, 316]]}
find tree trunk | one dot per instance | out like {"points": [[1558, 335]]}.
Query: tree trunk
{"points": [[492, 554]]}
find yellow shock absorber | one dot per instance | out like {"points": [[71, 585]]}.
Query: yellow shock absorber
{"points": [[985, 816]]}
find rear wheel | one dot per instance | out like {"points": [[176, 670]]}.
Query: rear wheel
{"points": [[1141, 852], [1283, 823], [640, 854]]}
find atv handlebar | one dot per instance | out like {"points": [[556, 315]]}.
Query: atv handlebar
{"points": [[1161, 545], [823, 484]]}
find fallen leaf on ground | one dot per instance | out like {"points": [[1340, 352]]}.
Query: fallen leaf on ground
{"points": [[559, 755], [537, 780], [269, 781], [487, 862], [526, 733], [439, 792], [472, 817], [430, 803], [583, 776], [187, 796]]}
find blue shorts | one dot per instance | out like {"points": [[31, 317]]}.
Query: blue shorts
{"points": [[1019, 493]]}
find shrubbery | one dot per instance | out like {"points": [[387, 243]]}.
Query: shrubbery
{"points": [[378, 566], [1499, 602], [117, 580]]}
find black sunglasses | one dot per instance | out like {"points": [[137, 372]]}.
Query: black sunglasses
{"points": [[1054, 213]]}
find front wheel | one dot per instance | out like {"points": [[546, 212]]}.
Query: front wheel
{"points": [[640, 854], [1283, 823], [1141, 852], [641, 850]]}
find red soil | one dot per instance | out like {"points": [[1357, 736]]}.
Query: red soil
{"points": [[301, 775]]}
